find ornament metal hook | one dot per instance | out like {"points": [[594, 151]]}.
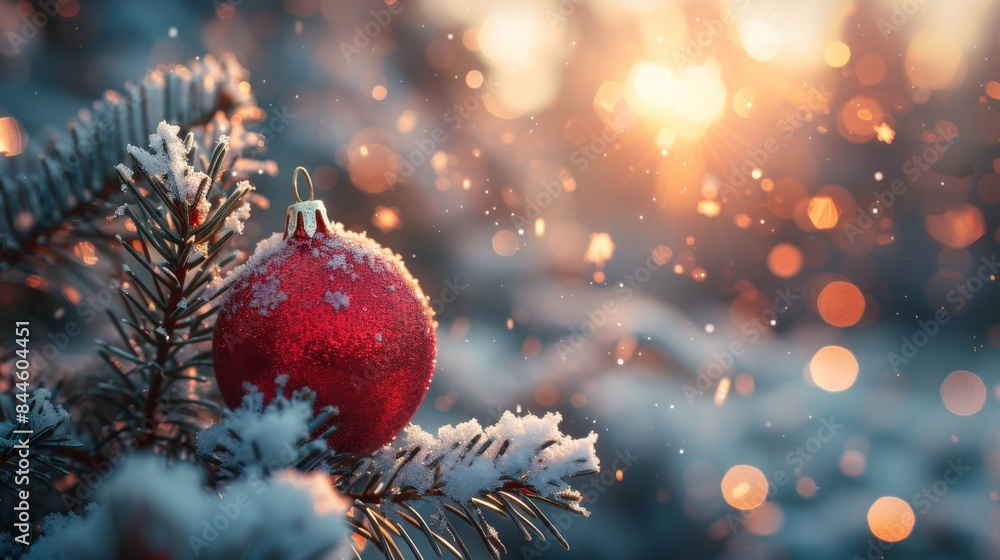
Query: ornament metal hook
{"points": [[295, 183], [310, 213]]}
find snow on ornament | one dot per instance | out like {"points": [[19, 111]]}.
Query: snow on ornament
{"points": [[335, 312]]}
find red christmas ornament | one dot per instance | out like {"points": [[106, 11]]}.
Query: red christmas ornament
{"points": [[337, 313]]}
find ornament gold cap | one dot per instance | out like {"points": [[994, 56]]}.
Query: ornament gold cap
{"points": [[310, 213]]}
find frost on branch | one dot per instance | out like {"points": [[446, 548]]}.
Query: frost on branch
{"points": [[168, 159], [177, 248], [464, 461], [157, 511], [43, 415], [267, 438], [236, 220], [50, 434]]}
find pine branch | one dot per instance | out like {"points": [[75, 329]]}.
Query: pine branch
{"points": [[42, 196], [152, 396], [46, 433], [259, 439], [509, 470]]}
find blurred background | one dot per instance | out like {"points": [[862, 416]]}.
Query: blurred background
{"points": [[752, 244]]}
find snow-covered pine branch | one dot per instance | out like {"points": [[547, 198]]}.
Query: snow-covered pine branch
{"points": [[169, 164], [44, 414], [168, 158], [264, 438], [177, 250], [50, 435], [464, 461]]}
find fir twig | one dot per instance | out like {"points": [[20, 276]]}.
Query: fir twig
{"points": [[44, 430], [514, 501], [176, 226], [511, 470]]}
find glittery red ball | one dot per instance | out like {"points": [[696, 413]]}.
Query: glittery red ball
{"points": [[338, 314]]}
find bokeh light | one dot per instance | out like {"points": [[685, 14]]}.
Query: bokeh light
{"points": [[823, 212], [963, 393], [13, 138], [806, 487], [600, 249], [699, 95], [745, 102], [511, 39], [86, 252], [958, 227], [870, 69], [891, 519], [386, 219], [760, 39], [853, 462], [784, 260], [372, 162], [934, 61], [744, 487], [608, 102], [688, 100], [841, 304], [505, 243], [373, 167], [833, 368], [474, 79], [648, 89], [837, 54], [767, 520], [859, 118]]}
